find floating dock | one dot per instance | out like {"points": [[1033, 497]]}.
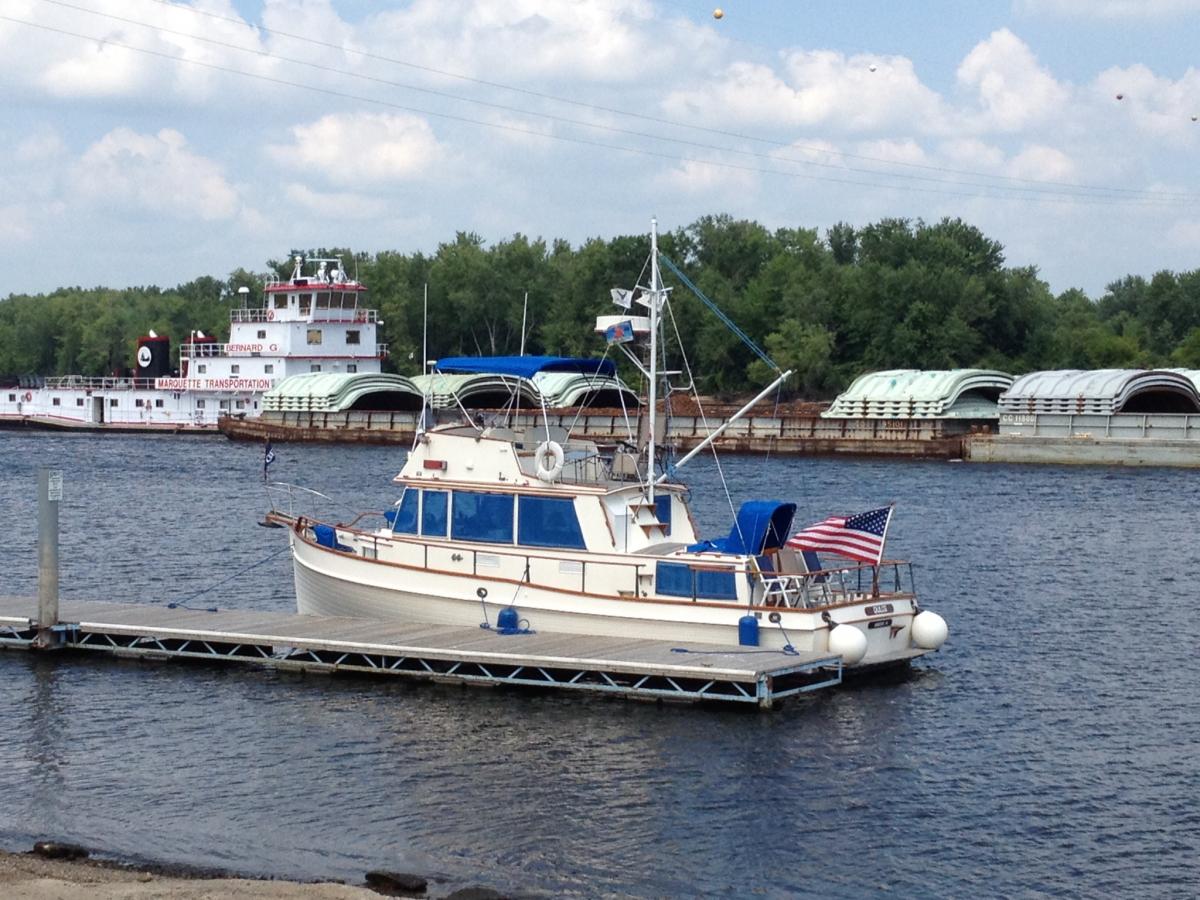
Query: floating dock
{"points": [[653, 670]]}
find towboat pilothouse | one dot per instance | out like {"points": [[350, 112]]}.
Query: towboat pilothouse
{"points": [[539, 530]]}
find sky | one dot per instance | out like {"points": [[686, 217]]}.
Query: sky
{"points": [[152, 142]]}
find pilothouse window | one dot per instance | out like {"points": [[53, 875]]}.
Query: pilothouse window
{"points": [[433, 513], [482, 517], [404, 517], [549, 522]]}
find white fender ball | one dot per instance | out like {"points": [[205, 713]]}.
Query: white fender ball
{"points": [[929, 630], [849, 643]]}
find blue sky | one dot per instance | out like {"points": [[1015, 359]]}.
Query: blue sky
{"points": [[149, 142]]}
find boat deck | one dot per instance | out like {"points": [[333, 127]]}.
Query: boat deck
{"points": [[607, 665]]}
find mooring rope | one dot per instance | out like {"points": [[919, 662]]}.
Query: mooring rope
{"points": [[182, 604]]}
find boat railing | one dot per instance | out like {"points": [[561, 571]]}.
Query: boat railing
{"points": [[825, 587], [294, 501], [590, 469], [252, 315], [605, 577], [93, 383]]}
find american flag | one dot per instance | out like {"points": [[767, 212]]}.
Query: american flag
{"points": [[855, 537]]}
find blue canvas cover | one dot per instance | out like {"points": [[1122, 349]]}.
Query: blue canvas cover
{"points": [[762, 525], [524, 366]]}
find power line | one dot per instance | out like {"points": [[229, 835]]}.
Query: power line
{"points": [[945, 170], [586, 124], [1081, 198]]}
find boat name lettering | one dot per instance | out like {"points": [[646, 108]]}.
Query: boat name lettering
{"points": [[880, 623], [881, 609], [213, 384], [1015, 419], [243, 348]]}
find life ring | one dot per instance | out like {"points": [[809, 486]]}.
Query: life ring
{"points": [[270, 315], [552, 450], [28, 396]]}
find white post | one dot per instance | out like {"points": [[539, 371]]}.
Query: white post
{"points": [[654, 289], [50, 482], [425, 333], [524, 312], [713, 435]]}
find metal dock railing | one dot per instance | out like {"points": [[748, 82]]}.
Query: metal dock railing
{"points": [[456, 654]]}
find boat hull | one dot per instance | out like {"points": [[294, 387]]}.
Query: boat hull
{"points": [[333, 583]]}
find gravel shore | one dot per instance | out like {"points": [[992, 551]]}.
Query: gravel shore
{"points": [[24, 876]]}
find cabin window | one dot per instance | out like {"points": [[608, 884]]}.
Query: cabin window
{"points": [[202, 368], [662, 510], [314, 336], [238, 404], [138, 403], [158, 404], [681, 580], [549, 522], [354, 337], [305, 304], [112, 402], [268, 369], [12, 398], [79, 401], [281, 301], [235, 370], [199, 404], [315, 367], [262, 334], [323, 300], [56, 402], [433, 513], [482, 517], [351, 367], [224, 404], [405, 519]]}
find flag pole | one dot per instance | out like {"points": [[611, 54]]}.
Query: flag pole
{"points": [[882, 546]]}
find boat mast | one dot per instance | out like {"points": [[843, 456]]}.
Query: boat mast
{"points": [[654, 291]]}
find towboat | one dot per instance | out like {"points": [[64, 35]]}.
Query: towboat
{"points": [[314, 321], [539, 530]]}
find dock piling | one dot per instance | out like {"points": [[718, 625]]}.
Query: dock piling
{"points": [[50, 487]]}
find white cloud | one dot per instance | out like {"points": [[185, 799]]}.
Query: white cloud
{"points": [[15, 224], [154, 173], [1185, 234], [1014, 91], [1108, 9], [85, 55], [972, 154], [606, 42], [715, 182], [352, 148], [1159, 106], [819, 87], [42, 147], [335, 205], [1042, 164]]}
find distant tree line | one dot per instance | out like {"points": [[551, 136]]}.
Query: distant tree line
{"points": [[895, 294]]}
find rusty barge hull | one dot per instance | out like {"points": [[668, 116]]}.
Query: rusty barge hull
{"points": [[793, 435]]}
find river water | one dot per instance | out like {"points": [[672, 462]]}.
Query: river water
{"points": [[1051, 748]]}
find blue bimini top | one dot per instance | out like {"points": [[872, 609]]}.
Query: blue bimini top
{"points": [[524, 366]]}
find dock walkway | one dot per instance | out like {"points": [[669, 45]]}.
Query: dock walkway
{"points": [[608, 665]]}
